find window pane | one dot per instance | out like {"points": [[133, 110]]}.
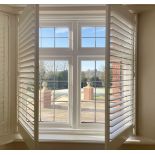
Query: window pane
{"points": [[61, 91], [92, 91], [100, 70], [54, 37], [93, 37], [87, 112], [61, 70], [100, 110], [100, 42], [87, 69], [47, 42], [61, 42], [88, 42], [46, 32], [88, 31], [54, 96], [61, 112], [61, 32], [100, 31]]}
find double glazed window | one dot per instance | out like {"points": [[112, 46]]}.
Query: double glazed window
{"points": [[92, 91], [54, 106], [85, 86], [59, 86], [92, 37], [54, 37], [70, 84]]}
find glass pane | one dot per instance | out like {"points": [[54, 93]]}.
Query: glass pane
{"points": [[54, 94], [61, 42], [100, 110], [100, 70], [46, 32], [100, 31], [61, 91], [46, 114], [88, 42], [93, 91], [88, 32], [47, 42], [61, 70], [46, 70], [100, 42], [61, 112], [87, 112], [100, 92], [61, 32], [87, 69]]}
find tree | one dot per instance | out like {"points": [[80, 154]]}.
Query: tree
{"points": [[83, 80]]}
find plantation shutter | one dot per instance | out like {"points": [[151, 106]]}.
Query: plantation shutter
{"points": [[27, 81], [120, 76]]}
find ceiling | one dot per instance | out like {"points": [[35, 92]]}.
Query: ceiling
{"points": [[136, 8]]}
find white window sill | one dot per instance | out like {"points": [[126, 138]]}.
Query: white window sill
{"points": [[67, 138], [86, 139], [71, 138], [139, 140], [72, 135]]}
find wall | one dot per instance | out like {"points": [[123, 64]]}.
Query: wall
{"points": [[8, 110], [146, 75]]}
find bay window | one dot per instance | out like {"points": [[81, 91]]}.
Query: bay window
{"points": [[75, 75]]}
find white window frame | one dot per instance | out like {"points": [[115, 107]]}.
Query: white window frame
{"points": [[93, 24], [93, 126], [46, 125], [73, 54], [49, 24]]}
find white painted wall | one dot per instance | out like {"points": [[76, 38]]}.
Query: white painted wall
{"points": [[146, 75]]}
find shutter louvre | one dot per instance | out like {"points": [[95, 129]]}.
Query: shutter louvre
{"points": [[121, 85], [27, 81]]}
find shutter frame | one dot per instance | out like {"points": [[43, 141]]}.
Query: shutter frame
{"points": [[120, 32], [28, 71]]}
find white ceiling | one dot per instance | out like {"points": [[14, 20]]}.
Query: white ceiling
{"points": [[133, 7]]}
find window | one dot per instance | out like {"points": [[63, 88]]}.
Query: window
{"points": [[54, 91], [54, 37], [93, 37], [80, 91], [92, 91], [60, 78]]}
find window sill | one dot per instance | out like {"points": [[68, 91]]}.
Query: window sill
{"points": [[71, 135], [85, 139], [71, 138], [77, 138]]}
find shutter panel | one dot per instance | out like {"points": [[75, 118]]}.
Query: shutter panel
{"points": [[27, 83], [120, 67]]}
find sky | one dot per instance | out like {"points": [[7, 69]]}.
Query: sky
{"points": [[58, 37]]}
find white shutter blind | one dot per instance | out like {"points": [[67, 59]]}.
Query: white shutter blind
{"points": [[28, 75], [121, 62]]}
